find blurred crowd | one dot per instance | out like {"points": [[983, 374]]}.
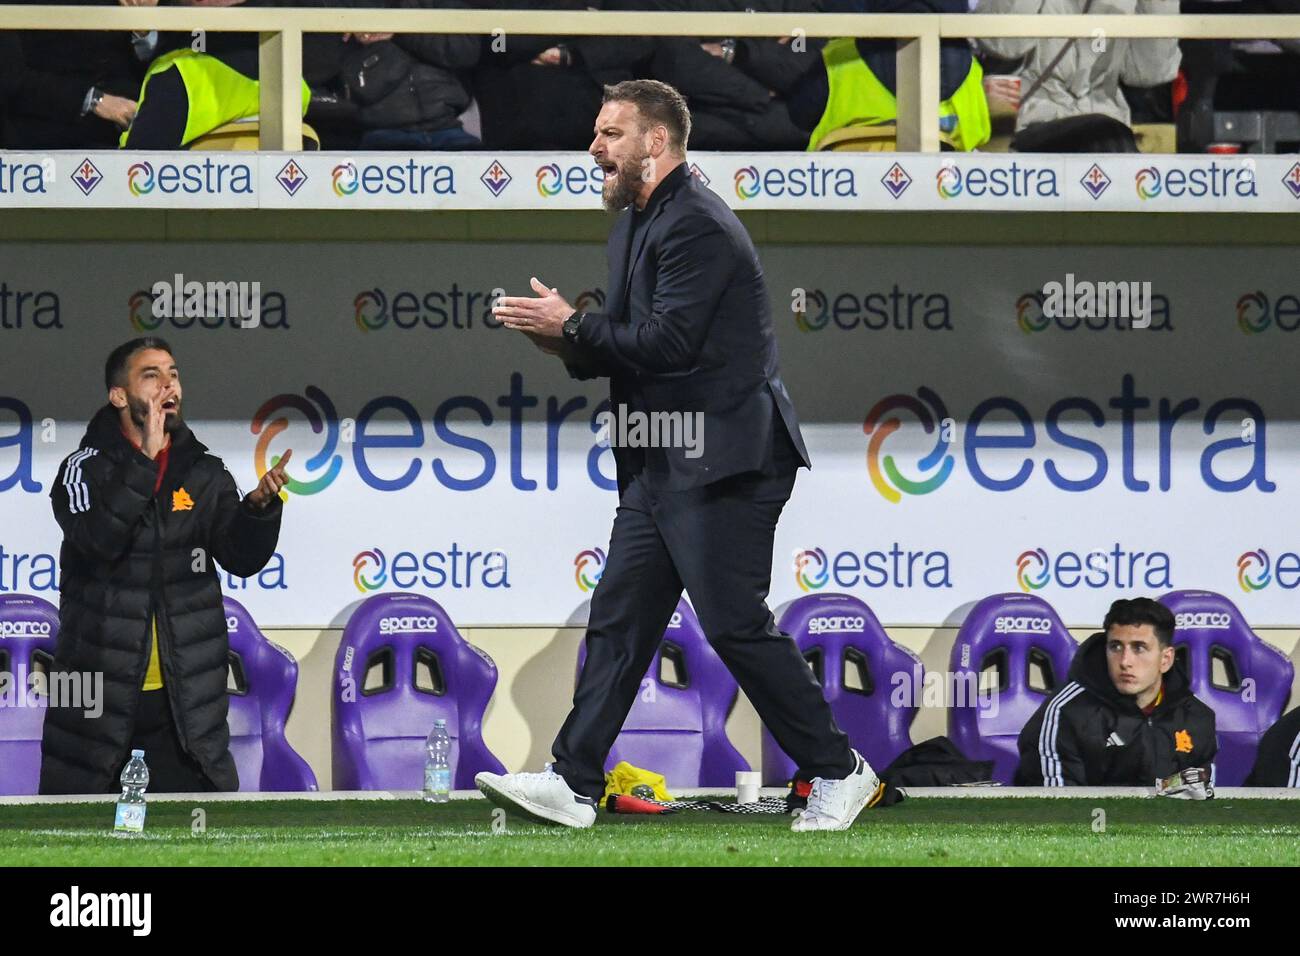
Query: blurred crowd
{"points": [[91, 89]]}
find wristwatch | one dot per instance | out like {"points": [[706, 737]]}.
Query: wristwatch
{"points": [[729, 50], [571, 326], [92, 100]]}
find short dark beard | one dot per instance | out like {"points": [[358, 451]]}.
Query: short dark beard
{"points": [[139, 409], [627, 186]]}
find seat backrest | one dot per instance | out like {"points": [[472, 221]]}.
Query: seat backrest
{"points": [[29, 629], [678, 724], [1017, 645], [263, 680], [401, 665], [872, 684], [1244, 680]]}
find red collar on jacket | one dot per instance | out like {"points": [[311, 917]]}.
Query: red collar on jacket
{"points": [[160, 459]]}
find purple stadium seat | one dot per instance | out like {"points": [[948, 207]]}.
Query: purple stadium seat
{"points": [[678, 724], [1244, 680], [1017, 636], [29, 627], [262, 685], [856, 662], [424, 670]]}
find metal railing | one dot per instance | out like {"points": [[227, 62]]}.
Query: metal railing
{"points": [[280, 32]]}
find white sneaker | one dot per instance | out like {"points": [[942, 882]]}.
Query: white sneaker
{"points": [[835, 804], [543, 797]]}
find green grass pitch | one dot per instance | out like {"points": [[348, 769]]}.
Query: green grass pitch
{"points": [[921, 831]]}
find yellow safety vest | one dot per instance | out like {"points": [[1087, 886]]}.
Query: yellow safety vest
{"points": [[855, 97], [217, 93]]}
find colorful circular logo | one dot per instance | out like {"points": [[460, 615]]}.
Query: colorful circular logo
{"points": [[811, 569], [588, 567], [326, 420], [1025, 575], [1029, 313], [364, 560], [1252, 312], [948, 182], [1148, 182], [815, 314], [370, 310], [141, 312], [747, 183], [549, 179], [883, 471], [1258, 582], [139, 179], [346, 180]]}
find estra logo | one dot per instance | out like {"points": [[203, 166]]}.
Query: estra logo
{"points": [[323, 419], [1256, 314], [817, 180], [25, 179], [1214, 180], [579, 179], [444, 308], [1019, 180], [207, 176], [1075, 462], [411, 178], [883, 420], [1257, 569], [451, 567], [144, 314], [16, 466], [27, 308], [588, 567], [1120, 567], [898, 567], [1032, 316], [897, 309]]}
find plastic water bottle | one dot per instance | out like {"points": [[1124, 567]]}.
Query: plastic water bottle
{"points": [[130, 805], [437, 766]]}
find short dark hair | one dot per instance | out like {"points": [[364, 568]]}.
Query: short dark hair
{"points": [[1142, 611], [657, 102], [115, 367]]}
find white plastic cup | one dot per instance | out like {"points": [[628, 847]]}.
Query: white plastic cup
{"points": [[747, 782]]}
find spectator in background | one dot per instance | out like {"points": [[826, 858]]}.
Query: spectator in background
{"points": [[1127, 715], [855, 83], [197, 84], [543, 92], [67, 89], [1070, 98], [417, 93], [736, 87]]}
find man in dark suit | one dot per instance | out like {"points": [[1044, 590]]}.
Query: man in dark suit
{"points": [[688, 332]]}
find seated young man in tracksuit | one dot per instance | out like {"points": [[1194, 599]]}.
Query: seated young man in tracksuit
{"points": [[1126, 716]]}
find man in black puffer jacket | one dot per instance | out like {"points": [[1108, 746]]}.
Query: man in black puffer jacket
{"points": [[1126, 717], [145, 513]]}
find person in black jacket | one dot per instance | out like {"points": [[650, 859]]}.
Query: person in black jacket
{"points": [[687, 332], [1126, 716], [736, 86], [1277, 764], [147, 514], [543, 92], [67, 89]]}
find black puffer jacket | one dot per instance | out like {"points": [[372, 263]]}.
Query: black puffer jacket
{"points": [[128, 553], [1088, 734]]}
